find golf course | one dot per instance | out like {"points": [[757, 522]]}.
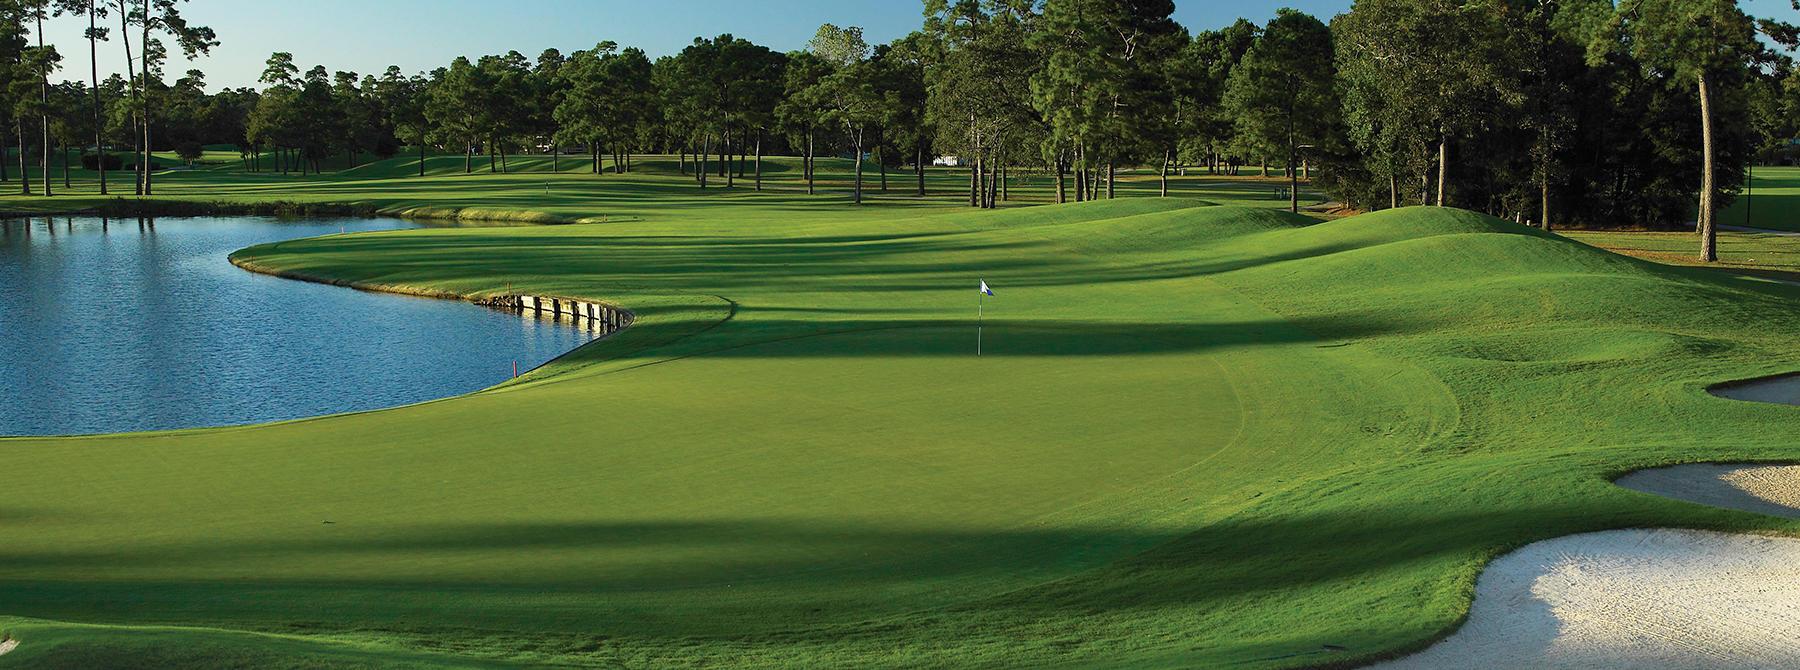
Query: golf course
{"points": [[932, 334], [1200, 433]]}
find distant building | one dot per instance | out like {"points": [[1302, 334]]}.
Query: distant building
{"points": [[948, 161]]}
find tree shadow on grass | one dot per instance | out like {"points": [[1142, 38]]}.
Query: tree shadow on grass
{"points": [[811, 572], [1022, 338]]}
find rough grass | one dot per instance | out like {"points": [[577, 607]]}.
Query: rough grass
{"points": [[1760, 255], [1201, 436]]}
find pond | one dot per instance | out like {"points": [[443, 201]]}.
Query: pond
{"points": [[127, 325]]}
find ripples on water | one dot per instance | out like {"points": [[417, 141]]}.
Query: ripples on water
{"points": [[124, 325]]}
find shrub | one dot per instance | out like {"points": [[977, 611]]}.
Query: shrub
{"points": [[190, 151]]}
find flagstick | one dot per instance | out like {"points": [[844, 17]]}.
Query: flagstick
{"points": [[979, 301]]}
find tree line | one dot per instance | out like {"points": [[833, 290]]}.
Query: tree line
{"points": [[1577, 112]]}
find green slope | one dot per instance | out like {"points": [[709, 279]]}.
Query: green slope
{"points": [[1199, 436]]}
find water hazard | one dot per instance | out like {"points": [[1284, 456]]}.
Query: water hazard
{"points": [[127, 324]]}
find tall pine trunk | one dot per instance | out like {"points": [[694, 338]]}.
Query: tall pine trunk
{"points": [[1293, 180], [94, 73], [1080, 182], [1544, 200], [759, 138], [1062, 194], [1080, 169], [1709, 235], [1749, 188], [1165, 174], [990, 193], [144, 41], [919, 170], [24, 172], [137, 183], [859, 167], [975, 183], [1443, 171], [981, 181]]}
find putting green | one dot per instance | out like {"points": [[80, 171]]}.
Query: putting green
{"points": [[1198, 435]]}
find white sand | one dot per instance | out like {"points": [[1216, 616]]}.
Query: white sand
{"points": [[1645, 598], [1660, 598], [1783, 390], [8, 645]]}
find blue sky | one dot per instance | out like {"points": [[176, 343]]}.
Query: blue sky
{"points": [[368, 35]]}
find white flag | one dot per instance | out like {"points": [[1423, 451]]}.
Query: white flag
{"points": [[985, 289]]}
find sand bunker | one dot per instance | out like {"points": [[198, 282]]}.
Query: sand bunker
{"points": [[1782, 390], [1645, 598], [1660, 598], [7, 645], [1765, 489]]}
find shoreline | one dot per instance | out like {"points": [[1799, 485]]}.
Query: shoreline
{"points": [[122, 207], [616, 317]]}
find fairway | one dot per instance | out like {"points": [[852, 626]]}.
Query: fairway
{"points": [[1772, 202], [533, 190], [1199, 435]]}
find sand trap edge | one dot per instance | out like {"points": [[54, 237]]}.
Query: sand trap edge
{"points": [[1761, 488]]}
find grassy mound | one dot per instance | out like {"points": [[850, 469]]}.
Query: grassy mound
{"points": [[1198, 436]]}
